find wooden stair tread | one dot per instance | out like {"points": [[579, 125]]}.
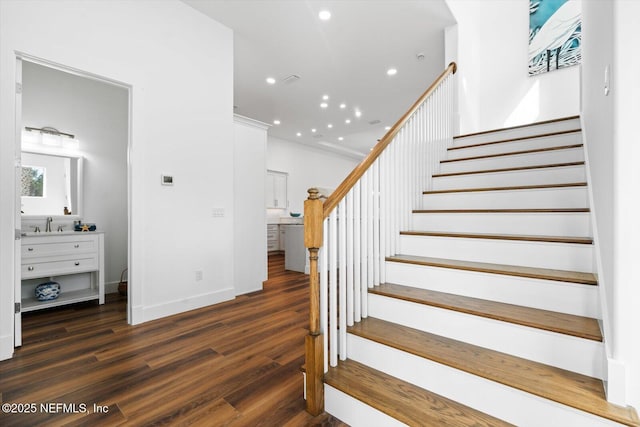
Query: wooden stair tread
{"points": [[519, 237], [567, 324], [511, 188], [542, 122], [519, 168], [403, 401], [519, 138], [530, 210], [507, 270], [514, 153], [565, 387]]}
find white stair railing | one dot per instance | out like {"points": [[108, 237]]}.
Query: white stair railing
{"points": [[359, 225]]}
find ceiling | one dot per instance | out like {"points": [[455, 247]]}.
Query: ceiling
{"points": [[345, 57]]}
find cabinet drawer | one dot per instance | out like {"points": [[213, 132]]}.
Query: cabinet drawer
{"points": [[60, 266], [70, 247], [272, 246]]}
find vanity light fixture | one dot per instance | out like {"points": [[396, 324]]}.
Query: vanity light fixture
{"points": [[49, 136]]}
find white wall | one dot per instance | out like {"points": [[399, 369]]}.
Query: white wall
{"points": [[494, 87], [179, 65], [609, 123], [250, 234], [97, 114], [626, 90], [307, 167]]}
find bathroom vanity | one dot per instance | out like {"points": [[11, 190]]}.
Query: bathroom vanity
{"points": [[73, 259]]}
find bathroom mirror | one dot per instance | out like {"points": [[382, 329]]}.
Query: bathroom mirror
{"points": [[51, 185]]}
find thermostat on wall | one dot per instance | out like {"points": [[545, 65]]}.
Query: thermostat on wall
{"points": [[167, 180]]}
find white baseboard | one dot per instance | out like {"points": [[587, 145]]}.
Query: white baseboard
{"points": [[180, 306], [111, 287], [616, 384], [6, 347]]}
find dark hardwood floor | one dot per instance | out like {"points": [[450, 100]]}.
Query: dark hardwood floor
{"points": [[232, 364]]}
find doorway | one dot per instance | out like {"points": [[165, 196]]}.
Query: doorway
{"points": [[73, 118]]}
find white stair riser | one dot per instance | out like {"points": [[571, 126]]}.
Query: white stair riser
{"points": [[511, 146], [549, 224], [514, 160], [559, 256], [501, 401], [562, 297], [540, 176], [563, 351], [559, 126], [353, 412], [564, 197]]}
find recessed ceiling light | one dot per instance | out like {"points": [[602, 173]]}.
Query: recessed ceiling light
{"points": [[358, 113], [392, 72], [271, 80], [347, 121], [387, 127], [329, 125], [340, 138], [324, 105], [298, 134], [276, 122], [343, 106], [313, 130], [324, 15], [325, 97]]}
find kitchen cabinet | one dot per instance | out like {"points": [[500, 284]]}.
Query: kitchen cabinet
{"points": [[276, 191], [273, 237]]}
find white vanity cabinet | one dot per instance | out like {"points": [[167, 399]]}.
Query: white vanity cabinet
{"points": [[75, 260]]}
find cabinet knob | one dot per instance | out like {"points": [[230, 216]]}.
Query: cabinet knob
{"points": [[30, 249], [77, 263], [77, 245], [30, 268]]}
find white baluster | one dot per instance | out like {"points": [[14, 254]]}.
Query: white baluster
{"points": [[342, 280], [324, 292], [375, 200], [333, 289], [364, 218], [350, 262], [356, 253]]}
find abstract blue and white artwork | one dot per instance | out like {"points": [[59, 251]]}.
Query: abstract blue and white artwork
{"points": [[555, 28]]}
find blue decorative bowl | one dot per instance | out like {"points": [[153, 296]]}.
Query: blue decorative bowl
{"points": [[47, 291], [295, 214]]}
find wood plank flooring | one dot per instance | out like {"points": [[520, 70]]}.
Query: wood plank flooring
{"points": [[232, 364]]}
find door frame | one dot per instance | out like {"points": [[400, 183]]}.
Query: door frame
{"points": [[20, 57]]}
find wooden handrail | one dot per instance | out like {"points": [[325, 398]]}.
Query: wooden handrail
{"points": [[315, 211], [332, 201]]}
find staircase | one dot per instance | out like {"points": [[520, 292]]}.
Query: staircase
{"points": [[489, 310]]}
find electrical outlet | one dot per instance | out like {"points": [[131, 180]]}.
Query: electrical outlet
{"points": [[198, 275]]}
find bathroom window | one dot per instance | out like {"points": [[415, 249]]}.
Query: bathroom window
{"points": [[33, 181]]}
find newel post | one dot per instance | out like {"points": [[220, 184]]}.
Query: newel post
{"points": [[314, 362]]}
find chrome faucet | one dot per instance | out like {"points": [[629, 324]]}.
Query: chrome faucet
{"points": [[48, 228]]}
